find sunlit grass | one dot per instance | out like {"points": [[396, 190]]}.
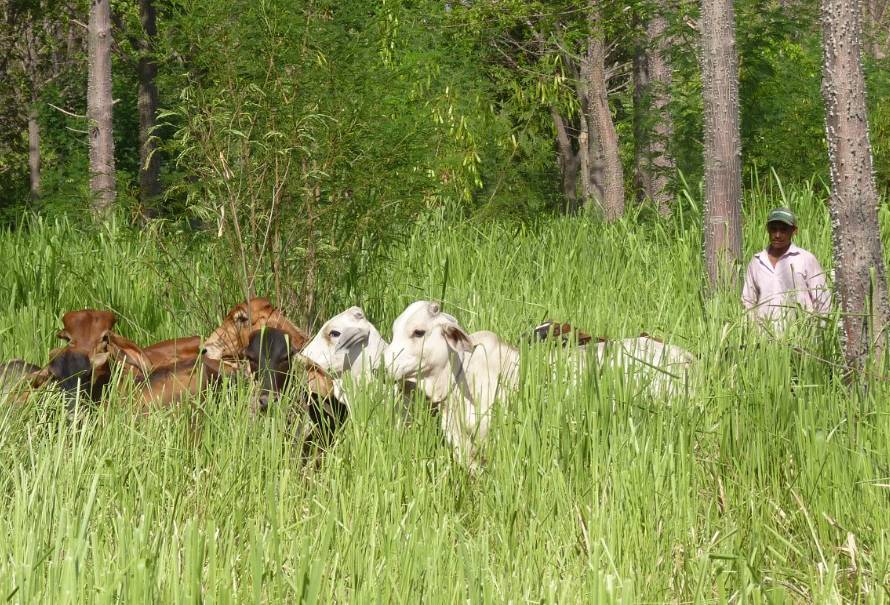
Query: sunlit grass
{"points": [[768, 481]]}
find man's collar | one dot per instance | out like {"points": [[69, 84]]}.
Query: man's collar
{"points": [[792, 249]]}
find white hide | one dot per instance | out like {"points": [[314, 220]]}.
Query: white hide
{"points": [[464, 375], [347, 344], [662, 369]]}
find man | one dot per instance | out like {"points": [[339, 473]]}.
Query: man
{"points": [[783, 277]]}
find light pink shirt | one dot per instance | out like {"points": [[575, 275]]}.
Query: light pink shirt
{"points": [[797, 279]]}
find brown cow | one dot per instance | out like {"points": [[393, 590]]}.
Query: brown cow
{"points": [[144, 361], [83, 365], [230, 339], [170, 385]]}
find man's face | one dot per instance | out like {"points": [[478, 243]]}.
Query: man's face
{"points": [[780, 234]]}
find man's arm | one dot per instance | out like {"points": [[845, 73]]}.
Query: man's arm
{"points": [[750, 291], [818, 289]]}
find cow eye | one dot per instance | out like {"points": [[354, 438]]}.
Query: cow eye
{"points": [[419, 333], [334, 334], [241, 318]]}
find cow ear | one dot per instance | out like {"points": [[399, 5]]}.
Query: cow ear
{"points": [[356, 312], [99, 359], [211, 364], [457, 339], [352, 336], [127, 352], [434, 308]]}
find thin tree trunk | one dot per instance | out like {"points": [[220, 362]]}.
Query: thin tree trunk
{"points": [[601, 128], [860, 274], [641, 122], [99, 108], [722, 149], [149, 161], [653, 124], [874, 27], [34, 148], [569, 162]]}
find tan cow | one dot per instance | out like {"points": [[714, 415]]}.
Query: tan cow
{"points": [[230, 339]]}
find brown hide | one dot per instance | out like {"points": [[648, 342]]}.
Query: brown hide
{"points": [[143, 361], [87, 330], [173, 384], [232, 336]]}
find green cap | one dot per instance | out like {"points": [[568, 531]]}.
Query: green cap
{"points": [[782, 215]]}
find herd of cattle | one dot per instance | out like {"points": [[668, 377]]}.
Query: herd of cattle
{"points": [[462, 375]]}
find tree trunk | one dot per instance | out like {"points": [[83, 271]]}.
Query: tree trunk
{"points": [[603, 138], [569, 162], [860, 274], [642, 119], [653, 125], [875, 27], [99, 108], [722, 149], [149, 161], [34, 148]]}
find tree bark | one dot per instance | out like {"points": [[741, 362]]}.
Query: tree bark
{"points": [[722, 148], [569, 162], [99, 108], [875, 28], [860, 275], [34, 148], [653, 124], [603, 138], [149, 161]]}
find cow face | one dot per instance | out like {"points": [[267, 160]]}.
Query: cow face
{"points": [[78, 374], [81, 367], [230, 339], [423, 340], [344, 342], [269, 352]]}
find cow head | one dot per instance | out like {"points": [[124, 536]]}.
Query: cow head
{"points": [[346, 342], [230, 339], [273, 360], [269, 352], [423, 342], [81, 366]]}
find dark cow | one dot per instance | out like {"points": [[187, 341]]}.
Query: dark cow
{"points": [[274, 360], [14, 374]]}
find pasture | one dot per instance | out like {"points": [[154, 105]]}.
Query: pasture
{"points": [[768, 481]]}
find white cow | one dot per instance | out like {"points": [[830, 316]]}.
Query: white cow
{"points": [[347, 344], [662, 368], [463, 374]]}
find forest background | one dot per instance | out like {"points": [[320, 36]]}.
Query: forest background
{"points": [[316, 134]]}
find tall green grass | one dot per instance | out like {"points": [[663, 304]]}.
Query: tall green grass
{"points": [[767, 482]]}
